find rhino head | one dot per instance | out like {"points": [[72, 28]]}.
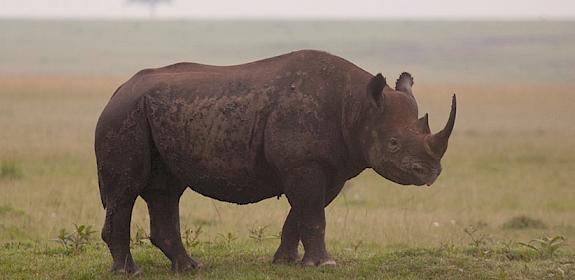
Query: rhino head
{"points": [[396, 143]]}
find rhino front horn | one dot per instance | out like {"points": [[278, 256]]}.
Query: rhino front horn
{"points": [[436, 144]]}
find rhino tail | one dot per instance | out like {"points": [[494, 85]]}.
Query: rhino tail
{"points": [[102, 192]]}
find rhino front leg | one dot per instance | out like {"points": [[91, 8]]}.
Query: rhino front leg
{"points": [[288, 250], [305, 190]]}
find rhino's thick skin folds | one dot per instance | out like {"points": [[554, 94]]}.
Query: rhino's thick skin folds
{"points": [[284, 125]]}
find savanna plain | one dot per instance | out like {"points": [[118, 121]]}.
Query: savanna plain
{"points": [[503, 208]]}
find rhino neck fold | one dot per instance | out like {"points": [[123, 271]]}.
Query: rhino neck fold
{"points": [[353, 108]]}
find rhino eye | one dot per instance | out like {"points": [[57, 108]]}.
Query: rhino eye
{"points": [[393, 145]]}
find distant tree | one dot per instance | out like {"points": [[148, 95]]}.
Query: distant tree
{"points": [[152, 4]]}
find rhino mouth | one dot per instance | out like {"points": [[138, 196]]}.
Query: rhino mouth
{"points": [[402, 177], [430, 182]]}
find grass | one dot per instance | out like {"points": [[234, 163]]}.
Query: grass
{"points": [[510, 160], [248, 259], [493, 173]]}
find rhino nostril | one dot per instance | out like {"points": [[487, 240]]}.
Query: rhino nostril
{"points": [[418, 168]]}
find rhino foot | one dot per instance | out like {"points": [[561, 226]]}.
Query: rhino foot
{"points": [[324, 262], [131, 270], [185, 265], [285, 258]]}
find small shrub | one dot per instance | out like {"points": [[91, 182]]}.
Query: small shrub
{"points": [[76, 241], [356, 245], [227, 238], [191, 236], [448, 247], [512, 252], [545, 246], [523, 222], [140, 237], [507, 249], [478, 241], [258, 234], [9, 169]]}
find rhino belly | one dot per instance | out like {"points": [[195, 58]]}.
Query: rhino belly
{"points": [[224, 177], [214, 145], [236, 189]]}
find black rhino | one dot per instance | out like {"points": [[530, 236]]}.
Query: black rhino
{"points": [[299, 124]]}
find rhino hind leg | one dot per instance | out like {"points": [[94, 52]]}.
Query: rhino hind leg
{"points": [[121, 188], [305, 189], [116, 234], [163, 199], [123, 172]]}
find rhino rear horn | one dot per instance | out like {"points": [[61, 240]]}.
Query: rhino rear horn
{"points": [[404, 83], [375, 88], [436, 144], [423, 124]]}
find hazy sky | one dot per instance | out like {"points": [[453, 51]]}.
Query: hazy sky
{"points": [[502, 9]]}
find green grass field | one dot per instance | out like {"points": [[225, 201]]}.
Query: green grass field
{"points": [[511, 154]]}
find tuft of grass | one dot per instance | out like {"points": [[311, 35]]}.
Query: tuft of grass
{"points": [[7, 209], [15, 233], [524, 222], [10, 169]]}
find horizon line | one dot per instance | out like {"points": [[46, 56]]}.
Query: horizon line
{"points": [[292, 18]]}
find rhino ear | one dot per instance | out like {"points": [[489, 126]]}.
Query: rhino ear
{"points": [[375, 90], [404, 83]]}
